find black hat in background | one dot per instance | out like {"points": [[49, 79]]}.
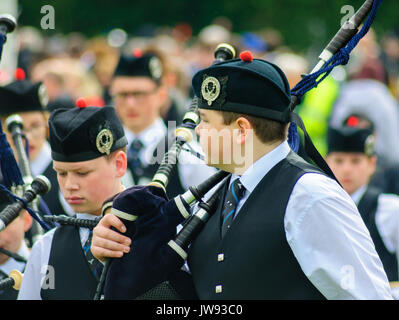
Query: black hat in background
{"points": [[350, 139], [22, 96], [81, 134], [140, 65]]}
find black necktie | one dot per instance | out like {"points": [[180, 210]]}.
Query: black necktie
{"points": [[95, 265], [233, 196], [133, 157]]}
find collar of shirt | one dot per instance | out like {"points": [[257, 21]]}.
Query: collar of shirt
{"points": [[254, 174], [11, 264], [84, 232], [150, 135], [42, 160], [358, 194], [150, 138], [86, 216]]}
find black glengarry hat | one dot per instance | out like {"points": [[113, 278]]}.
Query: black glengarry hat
{"points": [[22, 96], [81, 134], [350, 139], [248, 86], [140, 65]]}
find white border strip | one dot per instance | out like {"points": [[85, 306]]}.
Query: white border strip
{"points": [[181, 207], [178, 250], [123, 215]]}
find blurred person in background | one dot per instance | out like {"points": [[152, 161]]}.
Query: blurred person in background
{"points": [[352, 158], [67, 80], [139, 93], [390, 59], [385, 176], [365, 92], [29, 100], [104, 60]]}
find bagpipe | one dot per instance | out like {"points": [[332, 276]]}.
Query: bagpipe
{"points": [[337, 52], [18, 181], [153, 267], [14, 280], [154, 222]]}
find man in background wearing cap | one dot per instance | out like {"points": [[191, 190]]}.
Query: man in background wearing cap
{"points": [[283, 229], [12, 240], [88, 148], [139, 93], [352, 158], [29, 101]]}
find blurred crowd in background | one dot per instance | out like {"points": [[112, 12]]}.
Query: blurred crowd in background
{"points": [[73, 66]]}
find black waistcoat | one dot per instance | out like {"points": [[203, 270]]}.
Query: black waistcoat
{"points": [[73, 277], [368, 207], [51, 198], [253, 260], [174, 186]]}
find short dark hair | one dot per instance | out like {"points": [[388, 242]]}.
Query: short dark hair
{"points": [[109, 157], [265, 129]]}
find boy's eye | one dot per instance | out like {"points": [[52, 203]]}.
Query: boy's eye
{"points": [[82, 173], [61, 174]]}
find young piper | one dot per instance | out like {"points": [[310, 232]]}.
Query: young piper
{"points": [[352, 158], [12, 240], [29, 101], [283, 228], [88, 149]]}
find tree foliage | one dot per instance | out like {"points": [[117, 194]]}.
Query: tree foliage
{"points": [[303, 23]]}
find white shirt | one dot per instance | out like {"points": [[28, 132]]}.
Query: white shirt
{"points": [[192, 170], [12, 264], [326, 234], [36, 268], [387, 222], [42, 161]]}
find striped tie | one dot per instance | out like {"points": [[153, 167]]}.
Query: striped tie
{"points": [[233, 196], [95, 265], [134, 159]]}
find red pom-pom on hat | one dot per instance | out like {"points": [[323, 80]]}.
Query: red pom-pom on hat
{"points": [[352, 121], [137, 53], [20, 74], [81, 103], [246, 56], [95, 101]]}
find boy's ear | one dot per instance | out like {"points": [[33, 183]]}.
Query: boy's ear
{"points": [[244, 129], [120, 161]]}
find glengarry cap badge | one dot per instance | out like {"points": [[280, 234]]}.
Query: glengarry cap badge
{"points": [[210, 89], [369, 145], [43, 97], [104, 141], [155, 67]]}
